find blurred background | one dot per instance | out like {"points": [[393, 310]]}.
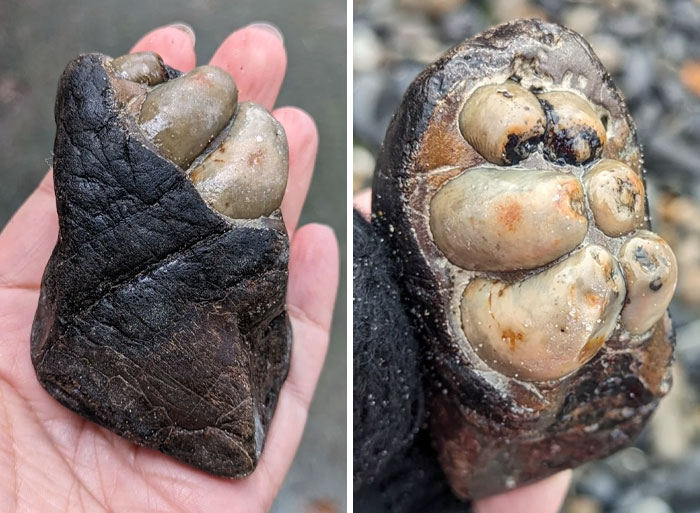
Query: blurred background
{"points": [[652, 49], [39, 37]]}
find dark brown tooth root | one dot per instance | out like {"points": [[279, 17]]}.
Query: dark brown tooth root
{"points": [[183, 115], [651, 273], [575, 134], [144, 67], [550, 324], [616, 196], [502, 122], [246, 176], [508, 219]]}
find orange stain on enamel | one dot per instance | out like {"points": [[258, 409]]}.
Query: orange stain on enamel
{"points": [[509, 214]]}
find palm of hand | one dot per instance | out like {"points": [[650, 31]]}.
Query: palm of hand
{"points": [[53, 460]]}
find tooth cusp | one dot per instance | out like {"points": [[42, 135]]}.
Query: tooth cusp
{"points": [[143, 67], [507, 219], [546, 326], [651, 274], [503, 123], [616, 196], [575, 134], [246, 176], [182, 116]]}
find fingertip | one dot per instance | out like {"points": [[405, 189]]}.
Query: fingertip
{"points": [[298, 123], [257, 60], [302, 137], [362, 202], [545, 496], [314, 273], [174, 43]]}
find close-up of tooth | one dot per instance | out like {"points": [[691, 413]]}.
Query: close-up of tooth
{"points": [[246, 176], [550, 324], [616, 196], [512, 269], [503, 122], [651, 274], [575, 134], [508, 219], [143, 67], [183, 115]]}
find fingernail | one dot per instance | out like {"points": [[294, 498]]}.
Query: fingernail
{"points": [[187, 29], [272, 29]]}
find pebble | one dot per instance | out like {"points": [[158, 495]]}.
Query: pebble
{"points": [[367, 50], [362, 167], [432, 7], [583, 19], [649, 505], [583, 504]]}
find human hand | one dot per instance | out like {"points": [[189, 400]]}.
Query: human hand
{"points": [[545, 496], [53, 460]]}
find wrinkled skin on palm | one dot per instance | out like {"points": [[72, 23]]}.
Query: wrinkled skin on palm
{"points": [[161, 317], [510, 187]]}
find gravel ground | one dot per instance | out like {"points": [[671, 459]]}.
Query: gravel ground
{"points": [[38, 38], [652, 49]]}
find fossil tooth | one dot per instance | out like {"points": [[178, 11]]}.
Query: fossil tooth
{"points": [[507, 219], [550, 324], [616, 196], [502, 122], [183, 115], [246, 176], [158, 319], [144, 67], [651, 273], [486, 425], [575, 133]]}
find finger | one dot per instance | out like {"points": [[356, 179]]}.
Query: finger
{"points": [[174, 43], [28, 239], [362, 201], [302, 137], [256, 59], [545, 496], [313, 282]]}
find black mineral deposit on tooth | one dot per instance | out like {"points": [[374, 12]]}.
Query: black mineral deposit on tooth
{"points": [[158, 318]]}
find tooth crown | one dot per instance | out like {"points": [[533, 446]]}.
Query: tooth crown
{"points": [[235, 155], [512, 398], [503, 219]]}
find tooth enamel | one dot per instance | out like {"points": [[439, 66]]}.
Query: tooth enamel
{"points": [[144, 67], [507, 219], [651, 273], [575, 133], [502, 122], [246, 176], [616, 196], [183, 115], [550, 324]]}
